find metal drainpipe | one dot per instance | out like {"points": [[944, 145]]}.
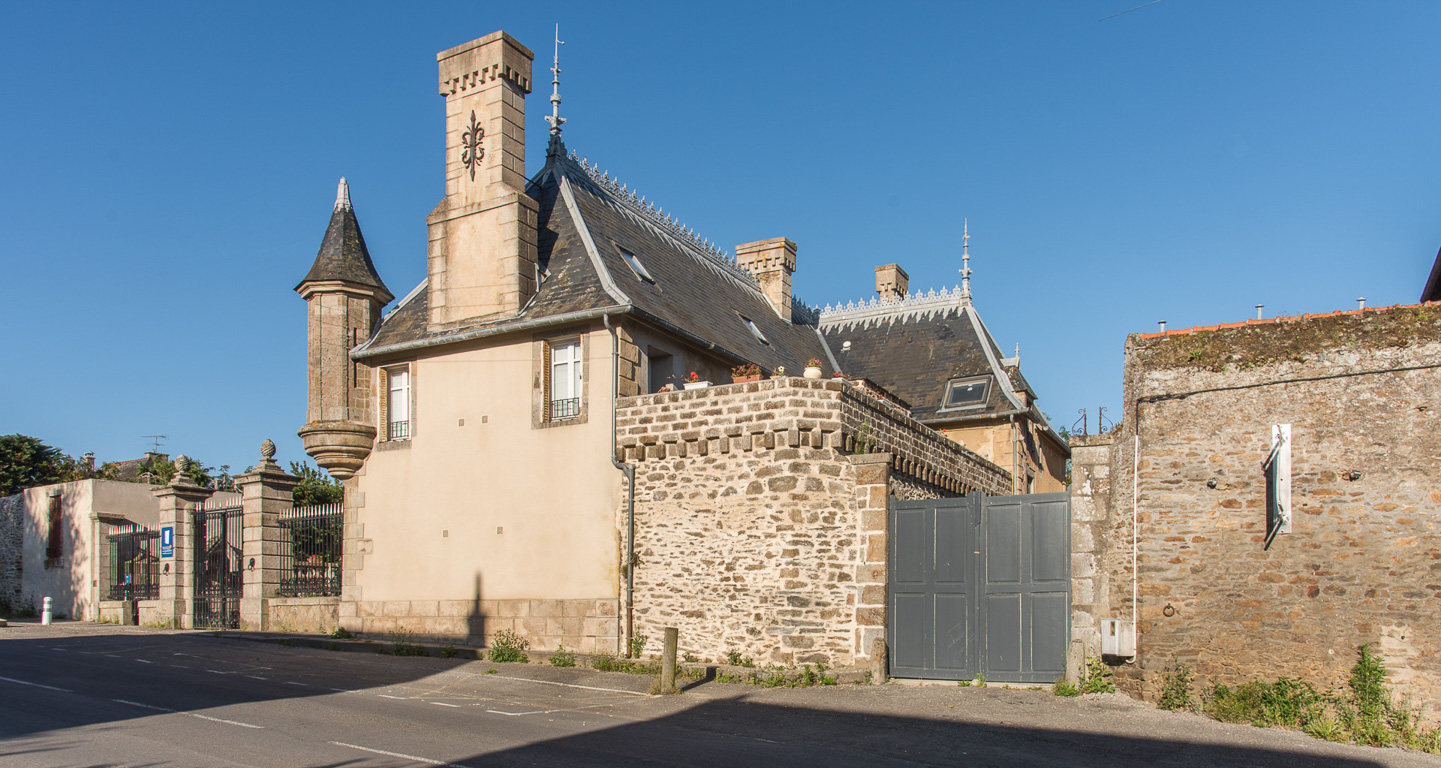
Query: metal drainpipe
{"points": [[1013, 455], [629, 471]]}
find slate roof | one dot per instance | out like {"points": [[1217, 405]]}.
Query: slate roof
{"points": [[1432, 291], [585, 220], [343, 255]]}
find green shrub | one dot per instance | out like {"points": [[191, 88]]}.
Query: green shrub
{"points": [[1063, 688], [403, 647], [448, 652], [605, 662], [635, 646], [1176, 688], [1099, 677], [1286, 702], [735, 659], [341, 633], [562, 658], [507, 646]]}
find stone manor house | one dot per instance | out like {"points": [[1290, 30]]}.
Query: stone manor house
{"points": [[520, 450]]}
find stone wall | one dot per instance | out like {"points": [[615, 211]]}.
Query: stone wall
{"points": [[1090, 516], [12, 545], [318, 615], [758, 532], [1363, 561], [585, 626], [791, 412]]}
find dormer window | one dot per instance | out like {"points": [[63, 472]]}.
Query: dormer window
{"points": [[966, 393], [635, 265], [755, 330]]}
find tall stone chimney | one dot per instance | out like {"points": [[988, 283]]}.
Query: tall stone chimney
{"points": [[892, 282], [772, 262], [483, 234]]}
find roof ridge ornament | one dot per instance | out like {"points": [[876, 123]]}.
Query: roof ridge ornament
{"points": [[554, 118], [966, 260], [342, 196]]}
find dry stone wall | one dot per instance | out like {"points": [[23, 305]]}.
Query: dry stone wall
{"points": [[12, 543], [1363, 561]]}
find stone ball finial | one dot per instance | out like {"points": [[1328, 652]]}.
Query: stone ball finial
{"points": [[267, 449], [182, 464]]}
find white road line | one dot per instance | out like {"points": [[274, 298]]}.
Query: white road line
{"points": [[385, 696], [443, 704], [111, 656], [142, 706], [515, 714], [36, 685], [292, 682], [425, 760], [216, 672], [573, 685], [257, 677], [143, 661], [180, 666], [222, 720], [189, 714]]}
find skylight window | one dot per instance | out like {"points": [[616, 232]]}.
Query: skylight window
{"points": [[966, 393], [755, 330], [635, 266]]}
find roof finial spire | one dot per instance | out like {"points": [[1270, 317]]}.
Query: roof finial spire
{"points": [[966, 261], [554, 118], [342, 196]]}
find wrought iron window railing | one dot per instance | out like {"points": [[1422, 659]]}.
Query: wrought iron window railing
{"points": [[399, 430], [133, 554], [310, 546], [568, 408]]}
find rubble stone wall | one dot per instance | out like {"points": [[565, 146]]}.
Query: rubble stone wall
{"points": [[1362, 393]]}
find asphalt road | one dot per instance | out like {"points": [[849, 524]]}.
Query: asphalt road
{"points": [[78, 694]]}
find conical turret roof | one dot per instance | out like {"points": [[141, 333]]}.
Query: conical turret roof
{"points": [[343, 255]]}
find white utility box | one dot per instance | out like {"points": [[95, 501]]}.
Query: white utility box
{"points": [[1118, 637]]}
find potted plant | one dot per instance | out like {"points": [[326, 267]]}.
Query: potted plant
{"points": [[693, 381], [747, 372], [813, 368], [779, 372]]}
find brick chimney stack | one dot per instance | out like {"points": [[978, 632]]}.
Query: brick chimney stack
{"points": [[772, 262], [892, 282], [483, 234]]}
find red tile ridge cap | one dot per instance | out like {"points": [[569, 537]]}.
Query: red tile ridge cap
{"points": [[1285, 319]]}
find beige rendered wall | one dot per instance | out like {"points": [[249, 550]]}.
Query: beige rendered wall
{"points": [[480, 505], [72, 583]]}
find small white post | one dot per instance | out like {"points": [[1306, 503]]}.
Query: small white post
{"points": [[45, 612]]}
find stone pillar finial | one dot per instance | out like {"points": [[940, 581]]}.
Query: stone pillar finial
{"points": [[267, 451], [182, 471]]}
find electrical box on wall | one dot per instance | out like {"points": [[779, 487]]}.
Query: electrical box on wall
{"points": [[1118, 638]]}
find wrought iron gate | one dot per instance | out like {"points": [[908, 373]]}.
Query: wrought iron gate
{"points": [[981, 585], [216, 534]]}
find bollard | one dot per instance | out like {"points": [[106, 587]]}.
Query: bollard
{"points": [[667, 662], [45, 612]]}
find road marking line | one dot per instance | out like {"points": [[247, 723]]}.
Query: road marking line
{"points": [[142, 706], [57, 649], [188, 714], [180, 666], [443, 704], [216, 672], [143, 661], [402, 756], [384, 696], [111, 656], [515, 714], [36, 685], [292, 682], [573, 685], [222, 720], [257, 677]]}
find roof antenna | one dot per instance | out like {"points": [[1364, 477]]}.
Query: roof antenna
{"points": [[966, 261], [157, 439], [554, 118]]}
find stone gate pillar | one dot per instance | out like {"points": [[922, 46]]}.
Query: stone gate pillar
{"points": [[872, 490], [266, 491], [177, 573]]}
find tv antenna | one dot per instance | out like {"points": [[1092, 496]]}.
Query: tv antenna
{"points": [[157, 439]]}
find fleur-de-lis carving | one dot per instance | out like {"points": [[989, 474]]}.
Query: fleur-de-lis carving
{"points": [[470, 150]]}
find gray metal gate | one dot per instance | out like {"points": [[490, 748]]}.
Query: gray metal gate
{"points": [[216, 534], [981, 585]]}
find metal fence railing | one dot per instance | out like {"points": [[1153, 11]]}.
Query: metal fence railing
{"points": [[134, 558], [310, 545]]}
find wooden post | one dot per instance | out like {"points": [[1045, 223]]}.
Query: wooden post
{"points": [[667, 662]]}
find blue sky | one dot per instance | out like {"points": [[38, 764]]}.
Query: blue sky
{"points": [[167, 171]]}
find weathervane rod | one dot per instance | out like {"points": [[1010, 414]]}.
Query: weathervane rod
{"points": [[554, 118], [966, 259]]}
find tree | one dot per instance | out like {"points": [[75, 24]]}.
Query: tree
{"points": [[316, 486], [26, 462]]}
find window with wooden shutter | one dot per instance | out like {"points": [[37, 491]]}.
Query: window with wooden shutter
{"points": [[395, 402], [545, 362], [382, 413], [55, 545]]}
